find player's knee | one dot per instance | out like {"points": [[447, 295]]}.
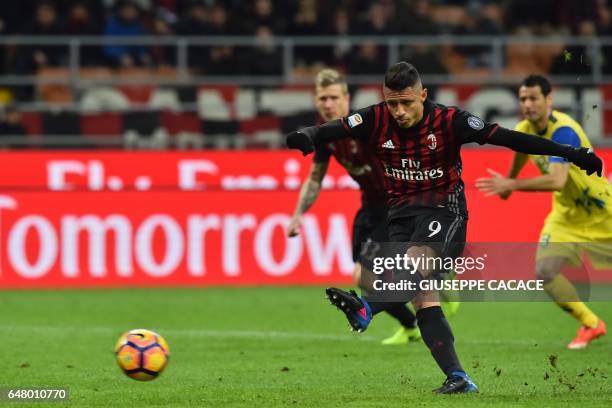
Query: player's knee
{"points": [[425, 299], [417, 303], [422, 252], [546, 271]]}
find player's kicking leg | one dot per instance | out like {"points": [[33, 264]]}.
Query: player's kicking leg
{"points": [[408, 330], [435, 330], [356, 309]]}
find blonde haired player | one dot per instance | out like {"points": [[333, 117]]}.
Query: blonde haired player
{"points": [[581, 216], [332, 101]]}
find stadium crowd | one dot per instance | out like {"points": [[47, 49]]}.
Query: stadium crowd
{"points": [[39, 106], [265, 19]]}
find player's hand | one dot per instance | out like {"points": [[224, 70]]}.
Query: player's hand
{"points": [[497, 184], [585, 159], [293, 229], [302, 140]]}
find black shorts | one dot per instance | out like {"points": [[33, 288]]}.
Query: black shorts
{"points": [[445, 232], [369, 228]]}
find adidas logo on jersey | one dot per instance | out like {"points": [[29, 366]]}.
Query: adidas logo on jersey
{"points": [[388, 144]]}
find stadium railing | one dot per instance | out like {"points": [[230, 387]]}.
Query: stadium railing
{"points": [[500, 56], [468, 60]]}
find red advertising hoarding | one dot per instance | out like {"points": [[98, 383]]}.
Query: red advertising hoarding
{"points": [[82, 219]]}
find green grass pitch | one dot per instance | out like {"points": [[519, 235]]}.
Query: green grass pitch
{"points": [[286, 346]]}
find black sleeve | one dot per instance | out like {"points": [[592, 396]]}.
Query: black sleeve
{"points": [[582, 157], [321, 153], [357, 125], [360, 124], [469, 128], [529, 144]]}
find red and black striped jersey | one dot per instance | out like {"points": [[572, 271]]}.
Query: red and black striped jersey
{"points": [[361, 164], [421, 164]]}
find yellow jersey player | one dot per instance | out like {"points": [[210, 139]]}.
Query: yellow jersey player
{"points": [[581, 216]]}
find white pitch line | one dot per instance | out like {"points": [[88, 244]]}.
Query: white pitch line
{"points": [[262, 334], [197, 333]]}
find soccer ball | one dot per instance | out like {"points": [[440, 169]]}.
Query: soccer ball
{"points": [[142, 354]]}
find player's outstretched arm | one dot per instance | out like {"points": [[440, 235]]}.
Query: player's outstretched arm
{"points": [[523, 143], [308, 195], [503, 186], [494, 184], [307, 138], [518, 162]]}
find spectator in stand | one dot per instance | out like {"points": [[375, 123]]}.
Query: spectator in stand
{"points": [[13, 18], [81, 21], [368, 60], [377, 22], [168, 7], [604, 16], [576, 59], [605, 29], [222, 61], [163, 54], [425, 57], [528, 13], [474, 22], [10, 123], [429, 61], [45, 24], [223, 58], [416, 19], [263, 15], [265, 58], [194, 20], [308, 21], [144, 5], [3, 55], [126, 22], [219, 21], [195, 23], [572, 13], [341, 29]]}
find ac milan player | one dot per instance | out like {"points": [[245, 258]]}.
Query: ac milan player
{"points": [[370, 223], [418, 143]]}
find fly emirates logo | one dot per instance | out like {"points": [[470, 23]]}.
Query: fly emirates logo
{"points": [[411, 171]]}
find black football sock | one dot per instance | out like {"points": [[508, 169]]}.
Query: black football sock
{"points": [[377, 307], [398, 310], [438, 337], [402, 314], [380, 300]]}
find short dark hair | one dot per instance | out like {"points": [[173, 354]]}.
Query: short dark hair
{"points": [[538, 80], [401, 75]]}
